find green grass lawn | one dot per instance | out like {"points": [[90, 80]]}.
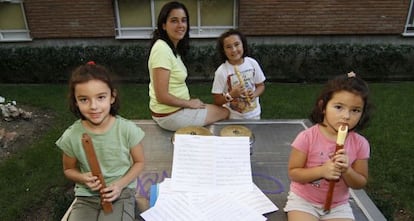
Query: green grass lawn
{"points": [[35, 174]]}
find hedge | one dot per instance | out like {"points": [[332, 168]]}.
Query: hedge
{"points": [[282, 63]]}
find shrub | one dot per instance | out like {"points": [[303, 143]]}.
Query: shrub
{"points": [[283, 63]]}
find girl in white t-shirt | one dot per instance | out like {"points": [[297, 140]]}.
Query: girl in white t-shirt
{"points": [[239, 80]]}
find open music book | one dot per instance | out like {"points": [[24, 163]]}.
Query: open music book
{"points": [[211, 180]]}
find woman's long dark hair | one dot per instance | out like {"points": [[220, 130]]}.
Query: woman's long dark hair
{"points": [[183, 45]]}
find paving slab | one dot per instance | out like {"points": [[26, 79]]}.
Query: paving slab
{"points": [[270, 153]]}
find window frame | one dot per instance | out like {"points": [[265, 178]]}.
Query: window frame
{"points": [[14, 35], [409, 26], [197, 31]]}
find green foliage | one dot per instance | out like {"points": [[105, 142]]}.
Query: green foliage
{"points": [[54, 64], [282, 63], [315, 63], [201, 63]]}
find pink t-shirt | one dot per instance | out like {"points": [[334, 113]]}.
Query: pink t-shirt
{"points": [[318, 149]]}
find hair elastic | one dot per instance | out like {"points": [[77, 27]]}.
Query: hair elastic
{"points": [[91, 63], [351, 74]]}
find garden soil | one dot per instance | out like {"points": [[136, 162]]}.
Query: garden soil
{"points": [[26, 132]]}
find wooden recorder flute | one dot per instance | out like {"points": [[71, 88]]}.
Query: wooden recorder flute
{"points": [[95, 168], [340, 140], [236, 70]]}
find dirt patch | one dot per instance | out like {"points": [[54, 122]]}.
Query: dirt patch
{"points": [[403, 215], [19, 134], [26, 132]]}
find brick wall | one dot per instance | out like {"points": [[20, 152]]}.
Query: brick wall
{"points": [[95, 18], [70, 18], [326, 17]]}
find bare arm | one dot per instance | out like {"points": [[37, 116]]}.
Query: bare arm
{"points": [[299, 173], [113, 191], [239, 91], [356, 176], [161, 79], [219, 99], [72, 172], [259, 90], [137, 155]]}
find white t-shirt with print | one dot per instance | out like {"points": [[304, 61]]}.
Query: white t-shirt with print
{"points": [[225, 78]]}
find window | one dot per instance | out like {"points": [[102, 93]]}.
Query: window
{"points": [[208, 18], [409, 25], [13, 26]]}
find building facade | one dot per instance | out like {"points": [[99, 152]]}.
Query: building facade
{"points": [[33, 21]]}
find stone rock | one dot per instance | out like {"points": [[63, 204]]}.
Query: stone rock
{"points": [[10, 112]]}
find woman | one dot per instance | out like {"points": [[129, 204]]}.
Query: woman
{"points": [[170, 102]]}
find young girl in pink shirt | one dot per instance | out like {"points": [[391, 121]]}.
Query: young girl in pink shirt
{"points": [[313, 162]]}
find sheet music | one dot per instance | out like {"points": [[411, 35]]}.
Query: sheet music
{"points": [[255, 199], [172, 205], [193, 163], [182, 206], [202, 163], [233, 170], [220, 207], [175, 207], [211, 180]]}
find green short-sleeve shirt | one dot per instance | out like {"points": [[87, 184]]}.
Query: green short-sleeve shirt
{"points": [[112, 150]]}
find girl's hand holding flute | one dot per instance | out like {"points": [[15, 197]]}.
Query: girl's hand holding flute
{"points": [[240, 91], [340, 141], [340, 160], [237, 91], [92, 181], [334, 168]]}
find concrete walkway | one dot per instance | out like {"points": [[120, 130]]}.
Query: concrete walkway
{"points": [[271, 150]]}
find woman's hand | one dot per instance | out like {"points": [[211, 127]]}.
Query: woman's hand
{"points": [[196, 103]]}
